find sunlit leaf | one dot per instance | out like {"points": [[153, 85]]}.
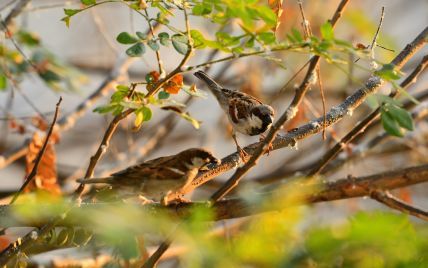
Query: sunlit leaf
{"points": [[327, 32], [3, 82], [88, 2], [71, 12]]}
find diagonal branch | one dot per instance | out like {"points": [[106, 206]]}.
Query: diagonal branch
{"points": [[391, 201], [16, 10], [33, 172]]}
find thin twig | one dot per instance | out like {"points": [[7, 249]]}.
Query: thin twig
{"points": [[359, 128], [160, 65], [391, 201], [373, 44], [33, 172], [17, 9]]}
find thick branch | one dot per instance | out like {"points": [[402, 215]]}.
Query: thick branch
{"points": [[314, 192]]}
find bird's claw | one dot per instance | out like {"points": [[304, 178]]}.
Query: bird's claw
{"points": [[243, 154], [270, 146]]}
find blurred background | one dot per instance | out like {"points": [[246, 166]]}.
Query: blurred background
{"points": [[87, 56]]}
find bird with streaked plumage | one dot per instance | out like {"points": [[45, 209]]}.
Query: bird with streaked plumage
{"points": [[159, 178], [246, 114]]}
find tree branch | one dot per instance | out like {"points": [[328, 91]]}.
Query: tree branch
{"points": [[359, 128], [310, 192], [391, 201]]}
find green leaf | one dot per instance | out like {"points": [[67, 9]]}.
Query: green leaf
{"points": [[136, 50], [124, 88], [67, 21], [199, 40], [3, 82], [180, 43], [104, 109], [162, 95], [327, 31], [297, 36], [147, 113], [71, 12], [28, 38], [141, 35], [267, 37], [266, 14], [88, 2], [390, 125], [164, 39], [126, 38], [142, 114], [49, 76], [402, 116], [201, 9], [153, 45], [388, 72], [195, 123]]}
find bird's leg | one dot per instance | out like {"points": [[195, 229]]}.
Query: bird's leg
{"points": [[242, 153], [270, 146]]}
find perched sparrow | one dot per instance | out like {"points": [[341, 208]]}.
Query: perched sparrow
{"points": [[247, 114], [158, 178]]}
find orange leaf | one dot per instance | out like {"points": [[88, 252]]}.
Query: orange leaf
{"points": [[155, 75], [276, 6], [46, 177], [174, 85]]}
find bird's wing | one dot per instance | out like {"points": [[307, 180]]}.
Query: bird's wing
{"points": [[240, 107], [145, 166]]}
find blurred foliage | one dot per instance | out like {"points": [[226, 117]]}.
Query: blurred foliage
{"points": [[274, 239], [30, 56]]}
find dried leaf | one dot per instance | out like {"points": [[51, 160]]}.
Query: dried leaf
{"points": [[46, 177], [276, 6], [405, 195], [174, 85]]}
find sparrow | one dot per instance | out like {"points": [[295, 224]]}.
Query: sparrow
{"points": [[247, 114], [158, 178]]}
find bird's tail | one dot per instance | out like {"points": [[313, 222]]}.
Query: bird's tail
{"points": [[107, 180], [212, 85]]}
